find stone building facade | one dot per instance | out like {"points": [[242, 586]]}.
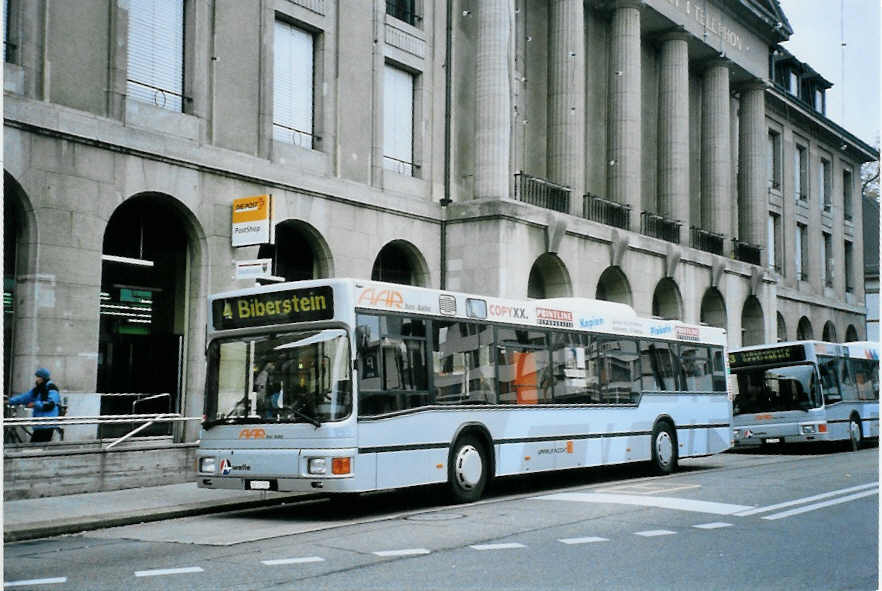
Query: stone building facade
{"points": [[636, 151]]}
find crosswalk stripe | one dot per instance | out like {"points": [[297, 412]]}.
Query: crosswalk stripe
{"points": [[168, 571], [654, 532], [303, 560], [586, 540], [825, 495], [29, 582], [815, 506], [405, 552], [713, 525], [505, 546]]}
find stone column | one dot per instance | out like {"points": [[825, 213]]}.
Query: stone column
{"points": [[673, 128], [716, 181], [566, 97], [753, 166], [493, 93], [625, 117]]}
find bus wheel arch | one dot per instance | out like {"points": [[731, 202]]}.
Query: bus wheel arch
{"points": [[855, 432], [663, 444], [470, 464]]}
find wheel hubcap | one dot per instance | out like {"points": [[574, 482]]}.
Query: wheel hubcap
{"points": [[468, 466], [664, 448], [855, 432]]}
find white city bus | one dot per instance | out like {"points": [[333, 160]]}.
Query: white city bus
{"points": [[345, 385], [805, 391]]}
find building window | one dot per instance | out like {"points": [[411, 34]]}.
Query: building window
{"points": [[156, 53], [7, 48], [827, 254], [819, 101], [293, 53], [774, 242], [801, 246], [872, 300], [849, 267], [403, 10], [774, 160], [793, 86], [398, 121], [824, 185], [847, 205], [800, 172]]}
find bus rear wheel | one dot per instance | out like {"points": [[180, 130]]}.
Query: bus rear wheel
{"points": [[664, 448], [468, 469], [856, 438]]}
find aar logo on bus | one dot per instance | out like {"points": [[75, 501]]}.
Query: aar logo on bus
{"points": [[225, 467], [387, 298]]}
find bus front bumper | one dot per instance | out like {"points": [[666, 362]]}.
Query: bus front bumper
{"points": [[752, 436]]}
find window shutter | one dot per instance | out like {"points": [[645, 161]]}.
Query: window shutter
{"points": [[292, 85], [398, 120], [156, 52]]}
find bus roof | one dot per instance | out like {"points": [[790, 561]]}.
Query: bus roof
{"points": [[568, 312]]}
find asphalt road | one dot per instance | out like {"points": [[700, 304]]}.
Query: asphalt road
{"points": [[801, 519]]}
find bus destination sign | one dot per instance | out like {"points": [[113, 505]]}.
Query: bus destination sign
{"points": [[790, 354], [277, 307]]}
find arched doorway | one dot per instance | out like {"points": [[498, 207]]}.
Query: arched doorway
{"points": [[713, 308], [782, 328], [829, 334], [144, 310], [549, 278], [299, 253], [613, 286], [851, 334], [752, 331], [804, 331], [666, 300], [17, 227], [401, 262]]}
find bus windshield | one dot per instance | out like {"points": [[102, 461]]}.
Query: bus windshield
{"points": [[765, 389], [280, 378]]}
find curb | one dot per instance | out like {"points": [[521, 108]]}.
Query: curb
{"points": [[58, 527]]}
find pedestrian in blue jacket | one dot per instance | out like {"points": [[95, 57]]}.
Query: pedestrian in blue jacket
{"points": [[45, 401]]}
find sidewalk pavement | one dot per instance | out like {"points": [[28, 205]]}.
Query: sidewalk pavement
{"points": [[27, 519]]}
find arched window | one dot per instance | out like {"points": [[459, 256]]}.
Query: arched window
{"points": [[752, 330], [549, 278], [666, 300], [400, 262], [613, 286]]}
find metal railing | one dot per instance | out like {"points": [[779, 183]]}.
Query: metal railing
{"points": [[746, 252], [706, 240], [604, 211], [658, 226], [542, 193], [146, 420]]}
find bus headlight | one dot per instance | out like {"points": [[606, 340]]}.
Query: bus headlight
{"points": [[808, 429], [317, 466], [207, 465]]}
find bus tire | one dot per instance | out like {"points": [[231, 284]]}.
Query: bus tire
{"points": [[664, 448], [468, 469], [855, 436]]}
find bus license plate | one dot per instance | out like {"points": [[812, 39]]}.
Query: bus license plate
{"points": [[773, 440], [260, 485]]}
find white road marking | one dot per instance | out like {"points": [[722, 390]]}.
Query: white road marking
{"points": [[815, 506], [654, 532], [168, 571], [646, 488], [505, 546], [588, 540], [51, 581], [405, 552], [713, 525], [826, 495], [646, 501], [304, 560]]}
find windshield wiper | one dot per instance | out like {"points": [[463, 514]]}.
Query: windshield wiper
{"points": [[309, 419]]}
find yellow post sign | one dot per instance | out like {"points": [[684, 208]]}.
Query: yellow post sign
{"points": [[251, 220]]}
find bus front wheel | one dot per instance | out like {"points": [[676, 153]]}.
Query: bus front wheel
{"points": [[664, 448], [854, 433], [468, 469]]}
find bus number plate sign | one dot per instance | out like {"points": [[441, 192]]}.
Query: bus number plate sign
{"points": [[260, 485]]}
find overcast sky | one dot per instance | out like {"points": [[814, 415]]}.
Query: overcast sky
{"points": [[817, 40]]}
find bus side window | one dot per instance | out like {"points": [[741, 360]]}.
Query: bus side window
{"points": [[846, 379], [462, 363], [829, 379], [658, 367], [719, 369]]}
